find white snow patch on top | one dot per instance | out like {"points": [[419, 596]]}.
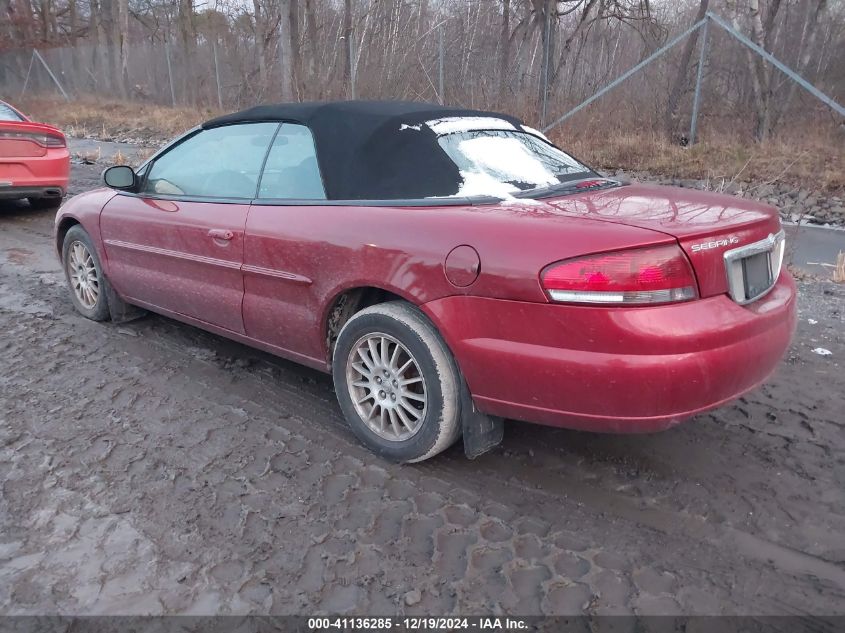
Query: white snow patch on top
{"points": [[405, 126], [481, 184], [506, 160], [531, 130], [453, 124]]}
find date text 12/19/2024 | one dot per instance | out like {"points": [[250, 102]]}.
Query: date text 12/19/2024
{"points": [[417, 624]]}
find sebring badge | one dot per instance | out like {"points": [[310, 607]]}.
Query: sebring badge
{"points": [[706, 246]]}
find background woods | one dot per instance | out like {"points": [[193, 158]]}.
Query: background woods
{"points": [[498, 54]]}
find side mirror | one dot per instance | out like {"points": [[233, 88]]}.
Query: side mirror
{"points": [[120, 177]]}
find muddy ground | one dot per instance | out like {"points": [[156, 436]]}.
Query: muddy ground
{"points": [[153, 468]]}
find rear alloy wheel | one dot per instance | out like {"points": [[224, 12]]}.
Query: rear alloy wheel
{"points": [[84, 275], [386, 386], [397, 382]]}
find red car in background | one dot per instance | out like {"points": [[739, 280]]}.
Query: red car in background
{"points": [[34, 160], [449, 268]]}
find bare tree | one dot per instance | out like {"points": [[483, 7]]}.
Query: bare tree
{"points": [[260, 41], [101, 58], [760, 73], [508, 55], [188, 40], [120, 48], [505, 54], [809, 36], [347, 45], [682, 76], [546, 17], [286, 66]]}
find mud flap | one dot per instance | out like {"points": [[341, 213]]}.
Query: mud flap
{"points": [[119, 310], [482, 432]]}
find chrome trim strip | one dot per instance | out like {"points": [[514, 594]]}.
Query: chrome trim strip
{"points": [[774, 244], [212, 261], [277, 274], [200, 259], [627, 297]]}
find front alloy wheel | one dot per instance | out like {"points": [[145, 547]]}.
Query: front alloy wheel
{"points": [[84, 281], [85, 278]]}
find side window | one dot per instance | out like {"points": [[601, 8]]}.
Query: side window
{"points": [[291, 171], [222, 162]]}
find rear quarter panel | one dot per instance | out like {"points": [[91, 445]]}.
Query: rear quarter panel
{"points": [[299, 259]]}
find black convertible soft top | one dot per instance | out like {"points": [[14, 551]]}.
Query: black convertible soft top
{"points": [[365, 150]]}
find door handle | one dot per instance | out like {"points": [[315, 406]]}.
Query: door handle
{"points": [[221, 234]]}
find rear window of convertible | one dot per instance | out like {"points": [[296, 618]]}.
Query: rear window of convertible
{"points": [[501, 163]]}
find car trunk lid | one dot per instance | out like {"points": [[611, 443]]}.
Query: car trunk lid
{"points": [[706, 224], [23, 139]]}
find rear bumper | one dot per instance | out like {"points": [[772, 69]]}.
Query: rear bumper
{"points": [[16, 193], [618, 370], [36, 176]]}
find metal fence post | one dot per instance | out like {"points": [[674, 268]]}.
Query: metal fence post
{"points": [[28, 73], [786, 70], [351, 68], [547, 31], [441, 94], [625, 75], [170, 73], [696, 102], [35, 53], [217, 75]]}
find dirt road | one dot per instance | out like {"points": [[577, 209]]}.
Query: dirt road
{"points": [[153, 468]]}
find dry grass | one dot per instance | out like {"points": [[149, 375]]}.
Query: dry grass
{"points": [[812, 157], [116, 119], [815, 160], [839, 271]]}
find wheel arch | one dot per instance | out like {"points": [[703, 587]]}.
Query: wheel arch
{"points": [[348, 301], [65, 224]]}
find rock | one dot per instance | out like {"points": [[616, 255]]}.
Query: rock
{"points": [[413, 597]]}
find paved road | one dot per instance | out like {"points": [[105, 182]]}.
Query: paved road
{"points": [[814, 249], [153, 468]]}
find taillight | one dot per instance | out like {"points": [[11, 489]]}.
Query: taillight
{"points": [[659, 274], [54, 141], [45, 140]]}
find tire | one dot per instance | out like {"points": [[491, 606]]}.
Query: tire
{"points": [[44, 203], [432, 387], [84, 275]]}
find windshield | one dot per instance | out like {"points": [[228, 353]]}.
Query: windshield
{"points": [[8, 114], [502, 163]]}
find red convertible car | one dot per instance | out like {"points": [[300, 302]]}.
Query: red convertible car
{"points": [[450, 268], [34, 160]]}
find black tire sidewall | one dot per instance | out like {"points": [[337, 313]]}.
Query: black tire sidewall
{"points": [[100, 311], [422, 442]]}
